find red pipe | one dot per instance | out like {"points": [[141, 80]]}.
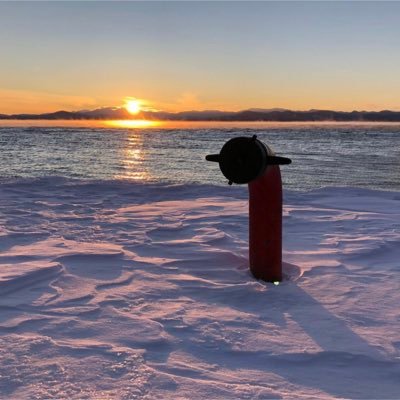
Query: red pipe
{"points": [[247, 160], [265, 230]]}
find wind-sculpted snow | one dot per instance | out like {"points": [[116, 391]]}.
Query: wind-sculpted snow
{"points": [[118, 290]]}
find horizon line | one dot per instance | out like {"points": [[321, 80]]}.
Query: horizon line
{"points": [[251, 109], [252, 114]]}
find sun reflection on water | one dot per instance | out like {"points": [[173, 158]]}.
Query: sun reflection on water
{"points": [[132, 159], [132, 123]]}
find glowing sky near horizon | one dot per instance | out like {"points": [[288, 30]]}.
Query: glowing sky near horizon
{"points": [[199, 55]]}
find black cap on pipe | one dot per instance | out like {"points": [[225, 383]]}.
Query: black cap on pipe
{"points": [[213, 157], [243, 159]]}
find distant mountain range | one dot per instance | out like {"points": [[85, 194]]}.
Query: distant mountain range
{"points": [[252, 114]]}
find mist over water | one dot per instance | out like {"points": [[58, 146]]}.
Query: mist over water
{"points": [[323, 155]]}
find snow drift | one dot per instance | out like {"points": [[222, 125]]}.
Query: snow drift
{"points": [[118, 290]]}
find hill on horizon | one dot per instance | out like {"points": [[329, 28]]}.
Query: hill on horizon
{"points": [[251, 114]]}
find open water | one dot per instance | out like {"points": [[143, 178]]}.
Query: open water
{"points": [[323, 154]]}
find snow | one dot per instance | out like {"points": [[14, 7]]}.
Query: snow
{"points": [[128, 290]]}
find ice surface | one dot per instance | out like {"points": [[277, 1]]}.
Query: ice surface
{"points": [[118, 290]]}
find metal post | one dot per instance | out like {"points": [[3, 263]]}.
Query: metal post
{"points": [[247, 160], [265, 225]]}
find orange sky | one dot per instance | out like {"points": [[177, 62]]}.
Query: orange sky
{"points": [[193, 55]]}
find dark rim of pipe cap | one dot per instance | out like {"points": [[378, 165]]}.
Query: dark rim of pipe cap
{"points": [[242, 159], [276, 160]]}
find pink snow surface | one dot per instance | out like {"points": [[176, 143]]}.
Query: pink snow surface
{"points": [[131, 291]]}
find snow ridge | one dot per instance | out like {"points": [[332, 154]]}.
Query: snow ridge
{"points": [[116, 290]]}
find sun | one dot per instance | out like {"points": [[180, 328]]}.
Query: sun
{"points": [[133, 106]]}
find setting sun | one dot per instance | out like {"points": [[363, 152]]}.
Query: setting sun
{"points": [[133, 106]]}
